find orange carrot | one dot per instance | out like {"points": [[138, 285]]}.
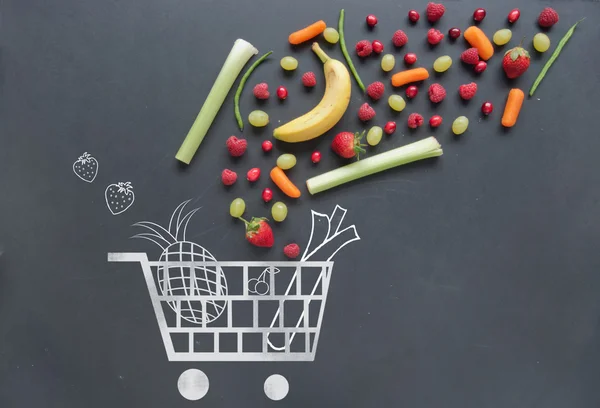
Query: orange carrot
{"points": [[479, 40], [284, 183], [513, 107], [410, 75], [307, 33]]}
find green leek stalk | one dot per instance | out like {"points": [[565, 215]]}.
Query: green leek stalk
{"points": [[239, 55], [423, 149]]}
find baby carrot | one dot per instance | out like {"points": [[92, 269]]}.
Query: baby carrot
{"points": [[513, 107], [409, 75], [479, 40], [284, 183], [307, 32]]}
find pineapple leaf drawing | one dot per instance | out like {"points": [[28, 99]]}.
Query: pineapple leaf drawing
{"points": [[86, 167], [119, 197]]}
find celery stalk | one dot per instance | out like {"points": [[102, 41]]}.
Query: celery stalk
{"points": [[423, 149], [239, 55]]}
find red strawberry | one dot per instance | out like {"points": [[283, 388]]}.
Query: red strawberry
{"points": [[415, 120], [548, 17], [228, 177], [291, 251], [434, 36], [435, 11], [437, 93], [399, 38], [309, 79], [366, 112], [236, 147], [470, 56], [364, 48], [515, 62], [375, 90], [261, 91], [467, 91], [347, 144], [259, 232]]}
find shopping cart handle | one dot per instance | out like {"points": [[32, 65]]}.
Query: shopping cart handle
{"points": [[127, 257]]}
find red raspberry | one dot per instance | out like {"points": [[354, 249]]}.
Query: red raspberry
{"points": [[399, 38], [435, 121], [434, 36], [309, 79], [291, 251], [470, 56], [375, 90], [435, 11], [437, 93], [261, 91], [415, 120], [366, 112], [235, 146], [548, 17], [228, 177], [467, 91], [364, 48]]}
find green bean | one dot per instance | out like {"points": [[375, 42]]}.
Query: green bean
{"points": [[345, 51], [238, 93], [553, 58]]}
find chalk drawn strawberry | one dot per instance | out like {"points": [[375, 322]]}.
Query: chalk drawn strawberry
{"points": [[86, 167], [119, 197]]}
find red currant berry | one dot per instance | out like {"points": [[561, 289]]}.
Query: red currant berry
{"points": [[253, 174], [315, 157], [413, 15], [267, 195], [514, 15], [454, 33], [371, 20], [377, 47], [435, 121], [480, 67], [389, 128], [487, 108], [479, 14], [267, 146], [282, 93], [410, 58], [412, 91]]}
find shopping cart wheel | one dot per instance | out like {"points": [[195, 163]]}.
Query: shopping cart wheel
{"points": [[276, 387], [193, 384]]}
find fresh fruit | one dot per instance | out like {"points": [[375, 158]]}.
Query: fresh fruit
{"points": [[479, 14], [437, 93], [286, 161], [514, 102], [487, 108], [377, 46], [467, 91], [328, 111], [515, 62], [331, 35], [282, 93], [388, 61], [258, 118], [454, 33], [259, 232], [267, 195], [480, 67], [238, 92], [279, 211], [412, 91], [282, 181], [460, 125], [86, 167], [435, 121], [389, 128], [347, 144], [435, 11], [399, 38], [366, 112], [315, 157], [413, 16], [541, 42], [410, 58], [409, 75], [363, 48], [261, 91], [236, 147], [371, 20], [470, 56], [228, 177], [307, 33], [292, 251], [309, 79], [237, 208], [376, 90], [374, 135], [119, 197], [345, 51], [479, 40], [267, 146], [442, 64], [502, 37], [253, 174], [289, 63], [397, 103], [548, 17], [414, 120], [514, 15], [434, 36]]}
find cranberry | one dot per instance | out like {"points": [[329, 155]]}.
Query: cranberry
{"points": [[377, 46], [389, 128], [267, 195], [487, 108], [410, 58], [282, 93], [514, 15], [454, 33], [412, 91], [371, 20], [253, 174], [479, 14], [435, 121], [267, 146], [480, 67], [413, 15], [316, 157]]}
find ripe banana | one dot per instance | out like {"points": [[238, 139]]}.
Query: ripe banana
{"points": [[328, 112]]}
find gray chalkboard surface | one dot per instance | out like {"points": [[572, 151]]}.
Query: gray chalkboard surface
{"points": [[474, 284]]}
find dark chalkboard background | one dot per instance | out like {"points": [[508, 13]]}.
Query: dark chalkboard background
{"points": [[476, 282]]}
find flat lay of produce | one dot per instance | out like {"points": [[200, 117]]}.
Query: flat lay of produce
{"points": [[407, 79]]}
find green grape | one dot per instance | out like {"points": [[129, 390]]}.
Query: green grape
{"points": [[279, 211], [460, 125], [397, 103], [237, 208], [442, 63], [502, 37], [331, 35], [258, 118], [289, 63], [541, 42], [387, 62], [286, 161], [374, 136]]}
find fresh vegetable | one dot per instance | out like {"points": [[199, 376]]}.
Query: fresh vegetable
{"points": [[253, 174], [541, 42], [258, 118], [454, 33], [487, 108], [345, 51], [388, 61], [259, 232], [282, 181], [279, 211], [397, 103], [435, 12], [435, 121], [413, 16], [267, 146], [237, 208], [267, 195], [414, 120], [282, 93], [228, 177], [434, 36], [479, 40], [410, 58], [331, 35], [515, 62], [411, 91], [460, 125], [239, 55], [286, 161], [348, 144], [371, 20], [422, 149], [399, 38], [437, 93], [553, 58], [292, 251], [480, 67], [236, 147], [363, 48], [377, 46], [470, 56], [374, 135], [309, 79], [467, 91], [512, 107], [366, 112], [479, 14], [289, 63], [376, 90], [328, 111], [548, 17], [409, 75], [315, 157], [502, 37], [307, 33], [389, 128], [442, 64], [514, 15]]}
